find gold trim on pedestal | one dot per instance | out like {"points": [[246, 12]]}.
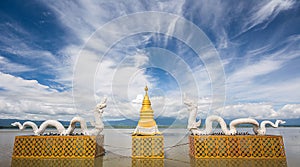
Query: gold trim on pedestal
{"points": [[148, 146], [58, 146], [251, 146]]}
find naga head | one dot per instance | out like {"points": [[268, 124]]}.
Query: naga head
{"points": [[280, 122], [101, 106], [15, 124], [189, 103]]}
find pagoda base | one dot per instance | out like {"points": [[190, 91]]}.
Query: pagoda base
{"points": [[58, 146], [251, 146], [148, 146]]}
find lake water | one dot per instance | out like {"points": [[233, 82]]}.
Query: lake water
{"points": [[117, 144]]}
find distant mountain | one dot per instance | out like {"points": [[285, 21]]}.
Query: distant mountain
{"points": [[128, 123], [121, 123], [161, 122]]}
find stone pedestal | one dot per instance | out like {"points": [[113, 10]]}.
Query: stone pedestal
{"points": [[148, 146], [58, 146], [239, 146]]}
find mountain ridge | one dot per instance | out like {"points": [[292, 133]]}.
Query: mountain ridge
{"points": [[161, 122]]}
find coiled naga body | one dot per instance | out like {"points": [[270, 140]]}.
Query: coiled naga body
{"points": [[193, 124], [98, 127]]}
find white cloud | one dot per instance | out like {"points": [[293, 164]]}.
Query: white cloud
{"points": [[121, 75], [138, 99], [121, 82], [257, 77], [114, 76], [266, 11], [11, 67], [248, 110], [277, 92], [84, 17], [260, 111], [10, 82], [29, 99], [19, 41], [226, 20], [127, 80], [289, 111], [250, 72]]}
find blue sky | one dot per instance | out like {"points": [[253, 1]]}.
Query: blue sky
{"points": [[234, 58]]}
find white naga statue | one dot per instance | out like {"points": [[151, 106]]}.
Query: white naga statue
{"points": [[193, 124], [98, 125]]}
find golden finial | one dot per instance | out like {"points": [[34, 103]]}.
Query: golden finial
{"points": [[146, 89]]}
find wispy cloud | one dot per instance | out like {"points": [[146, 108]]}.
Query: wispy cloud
{"points": [[8, 66], [266, 11], [21, 52], [260, 71], [112, 64], [257, 69]]}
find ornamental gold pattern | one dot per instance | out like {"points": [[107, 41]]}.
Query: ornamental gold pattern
{"points": [[236, 146], [58, 146], [147, 146]]}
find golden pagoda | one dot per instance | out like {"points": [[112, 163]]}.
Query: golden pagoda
{"points": [[146, 124]]}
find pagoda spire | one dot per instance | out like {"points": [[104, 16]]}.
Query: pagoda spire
{"points": [[146, 124], [146, 105]]}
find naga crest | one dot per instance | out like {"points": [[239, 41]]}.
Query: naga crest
{"points": [[101, 105]]}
